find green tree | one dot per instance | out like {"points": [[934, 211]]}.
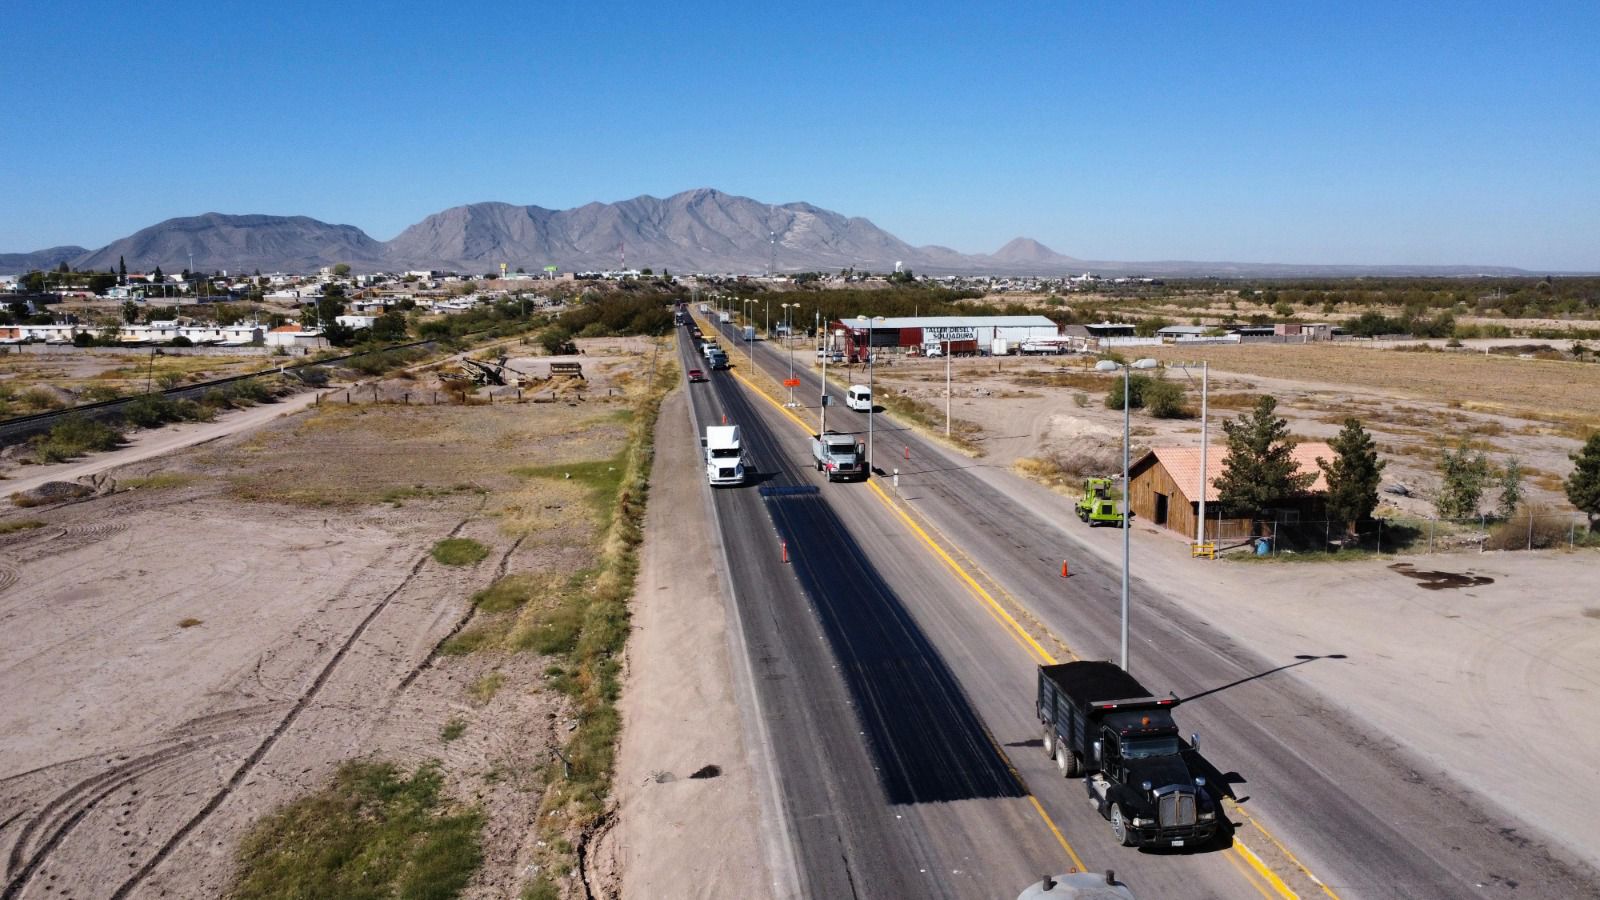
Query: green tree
{"points": [[1165, 399], [130, 311], [1463, 475], [122, 270], [1136, 386], [1353, 475], [1583, 485], [1149, 327], [1259, 471], [1511, 491], [342, 269], [100, 283], [391, 326], [33, 282]]}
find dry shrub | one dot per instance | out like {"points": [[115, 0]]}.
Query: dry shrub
{"points": [[1243, 400], [1549, 530]]}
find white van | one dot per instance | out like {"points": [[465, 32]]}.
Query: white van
{"points": [[858, 398]]}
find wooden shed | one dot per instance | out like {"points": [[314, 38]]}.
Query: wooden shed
{"points": [[1164, 488]]}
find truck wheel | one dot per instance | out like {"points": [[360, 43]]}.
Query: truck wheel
{"points": [[1119, 827], [1049, 742], [1073, 766]]}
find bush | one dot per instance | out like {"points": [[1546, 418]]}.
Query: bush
{"points": [[1165, 400], [149, 411], [374, 832], [75, 437], [181, 341], [459, 552], [311, 376], [1137, 385], [1549, 530], [41, 398]]}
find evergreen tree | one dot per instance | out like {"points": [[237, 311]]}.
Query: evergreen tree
{"points": [[122, 270], [1510, 488], [1259, 471], [1463, 476], [1583, 485], [1353, 475]]}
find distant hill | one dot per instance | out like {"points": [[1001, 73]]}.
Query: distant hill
{"points": [[240, 244], [702, 230], [20, 263]]}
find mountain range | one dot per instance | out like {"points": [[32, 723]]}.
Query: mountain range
{"points": [[702, 230]]}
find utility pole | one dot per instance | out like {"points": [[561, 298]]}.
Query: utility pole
{"points": [[1205, 446]]}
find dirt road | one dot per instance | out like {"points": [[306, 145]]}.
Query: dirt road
{"points": [[146, 444]]}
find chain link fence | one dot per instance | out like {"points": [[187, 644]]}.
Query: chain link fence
{"points": [[1525, 530]]}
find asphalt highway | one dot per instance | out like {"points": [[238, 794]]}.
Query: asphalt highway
{"points": [[1323, 806]]}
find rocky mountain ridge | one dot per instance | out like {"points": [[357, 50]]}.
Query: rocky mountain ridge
{"points": [[702, 230]]}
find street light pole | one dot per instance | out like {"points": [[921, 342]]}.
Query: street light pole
{"points": [[1107, 365], [947, 390], [1127, 404], [788, 338], [750, 337], [872, 391], [1205, 447]]}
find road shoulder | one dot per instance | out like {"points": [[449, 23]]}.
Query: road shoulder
{"points": [[687, 792]]}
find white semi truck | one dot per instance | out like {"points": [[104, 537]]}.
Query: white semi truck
{"points": [[724, 455], [839, 455]]}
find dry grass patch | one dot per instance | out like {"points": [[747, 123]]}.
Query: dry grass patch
{"points": [[1507, 382]]}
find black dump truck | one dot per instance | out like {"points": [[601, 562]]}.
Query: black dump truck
{"points": [[1102, 724]]}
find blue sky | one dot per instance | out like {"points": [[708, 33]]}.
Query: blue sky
{"points": [[1274, 132]]}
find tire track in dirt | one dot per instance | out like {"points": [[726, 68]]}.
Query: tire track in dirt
{"points": [[20, 879], [466, 619], [283, 726], [69, 807]]}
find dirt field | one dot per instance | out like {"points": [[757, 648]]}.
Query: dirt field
{"points": [[39, 377], [1413, 403], [182, 658]]}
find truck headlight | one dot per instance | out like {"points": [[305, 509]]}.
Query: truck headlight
{"points": [[1207, 816], [1140, 823]]}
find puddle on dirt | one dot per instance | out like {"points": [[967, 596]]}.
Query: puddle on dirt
{"points": [[1438, 581], [707, 772]]}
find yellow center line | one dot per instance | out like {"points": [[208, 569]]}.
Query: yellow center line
{"points": [[1033, 647], [1329, 892], [1248, 876], [1261, 869]]}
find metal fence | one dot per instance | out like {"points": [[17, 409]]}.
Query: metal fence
{"points": [[1286, 534]]}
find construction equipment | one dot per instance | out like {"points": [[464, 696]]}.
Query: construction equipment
{"points": [[1096, 506]]}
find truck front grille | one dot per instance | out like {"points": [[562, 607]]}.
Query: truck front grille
{"points": [[725, 473], [1175, 809]]}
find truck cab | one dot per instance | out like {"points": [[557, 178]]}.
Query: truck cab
{"points": [[839, 455], [724, 455]]}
